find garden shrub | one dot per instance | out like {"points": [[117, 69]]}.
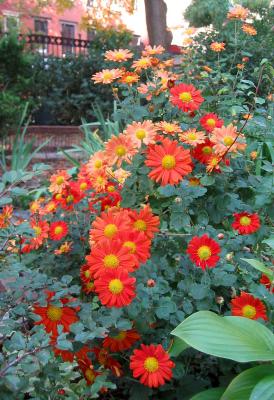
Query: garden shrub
{"points": [[151, 229]]}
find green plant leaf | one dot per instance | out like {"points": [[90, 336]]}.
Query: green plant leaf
{"points": [[210, 394], [177, 347], [260, 267], [269, 242], [242, 386], [264, 389], [236, 338]]}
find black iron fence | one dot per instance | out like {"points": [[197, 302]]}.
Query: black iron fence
{"points": [[57, 46]]}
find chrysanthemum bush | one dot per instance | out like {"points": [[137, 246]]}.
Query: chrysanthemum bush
{"points": [[152, 228]]}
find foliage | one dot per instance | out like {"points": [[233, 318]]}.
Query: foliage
{"points": [[205, 200], [203, 13]]}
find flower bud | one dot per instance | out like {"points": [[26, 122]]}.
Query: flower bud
{"points": [[151, 108], [178, 200], [220, 236], [229, 256], [219, 300], [253, 155], [151, 283]]}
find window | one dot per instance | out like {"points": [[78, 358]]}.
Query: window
{"points": [[41, 26], [11, 21], [68, 32]]}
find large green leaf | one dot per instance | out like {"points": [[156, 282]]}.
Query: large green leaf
{"points": [[242, 386], [260, 267], [236, 338], [177, 347], [210, 394], [264, 389]]}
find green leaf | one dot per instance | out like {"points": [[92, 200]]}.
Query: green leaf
{"points": [[207, 180], [260, 267], [236, 338], [5, 200], [242, 386], [177, 347], [269, 242], [264, 389], [165, 308], [210, 394]]}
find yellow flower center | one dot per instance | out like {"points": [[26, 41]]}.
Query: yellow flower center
{"points": [[116, 286], [185, 97], [207, 150], [110, 230], [121, 336], [151, 364], [194, 182], [37, 230], [70, 198], [107, 75], [89, 285], [129, 79], [100, 180], [168, 162], [58, 230], [211, 122], [111, 261], [89, 374], [120, 150], [83, 186], [111, 188], [192, 136], [119, 56], [141, 134], [87, 274], [98, 164], [54, 313], [245, 221], [249, 311], [140, 225], [60, 180], [131, 246], [58, 196], [228, 140], [142, 63], [204, 252]]}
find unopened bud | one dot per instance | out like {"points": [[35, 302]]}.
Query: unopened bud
{"points": [[151, 108], [253, 155], [219, 300], [151, 283], [220, 236], [229, 256], [178, 200]]}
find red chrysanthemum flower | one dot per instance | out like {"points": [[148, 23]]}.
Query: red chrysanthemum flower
{"points": [[138, 245], [115, 288], [246, 223], [121, 341], [109, 224], [85, 273], [186, 97], [248, 306], [40, 229], [108, 362], [110, 255], [266, 282], [204, 251], [66, 355], [169, 162], [203, 152], [152, 365], [58, 230], [88, 371], [211, 121], [52, 315], [145, 221]]}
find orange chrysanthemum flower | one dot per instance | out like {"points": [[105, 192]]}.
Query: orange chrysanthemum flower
{"points": [[248, 306], [99, 180], [120, 55], [190, 31], [246, 223], [138, 245], [203, 151], [203, 251], [217, 46], [141, 132], [52, 315], [40, 229], [145, 221], [238, 12], [213, 163], [49, 208], [58, 230], [97, 162], [226, 139], [169, 162], [152, 365], [129, 78], [186, 97], [152, 51], [121, 175], [63, 249], [120, 148], [249, 29], [115, 288], [123, 340], [107, 255], [211, 121], [88, 371], [107, 76], [109, 225], [142, 63], [108, 362], [193, 181], [6, 216], [192, 137], [170, 128], [59, 181], [267, 282]]}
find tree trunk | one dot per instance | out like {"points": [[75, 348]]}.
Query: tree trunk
{"points": [[156, 11]]}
